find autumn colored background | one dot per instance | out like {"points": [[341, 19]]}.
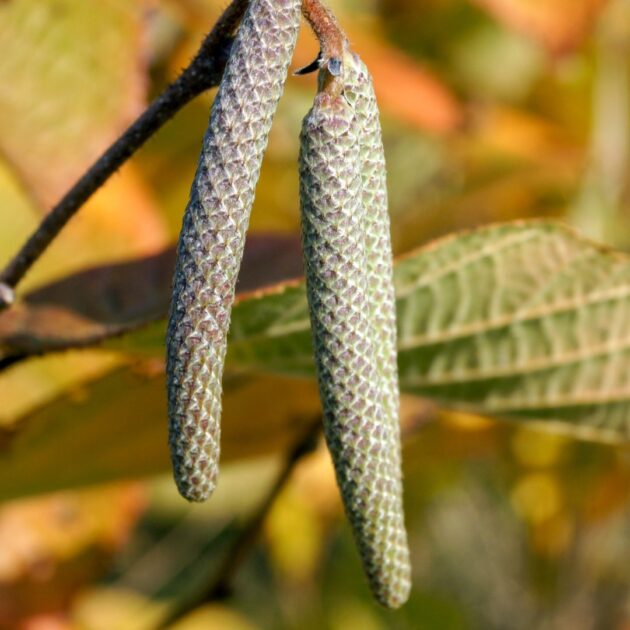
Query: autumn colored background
{"points": [[492, 110]]}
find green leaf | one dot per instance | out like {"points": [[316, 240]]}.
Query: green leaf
{"points": [[523, 320]]}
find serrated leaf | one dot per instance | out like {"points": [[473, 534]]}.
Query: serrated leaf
{"points": [[522, 320], [518, 320]]}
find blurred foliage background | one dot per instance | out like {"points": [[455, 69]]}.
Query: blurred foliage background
{"points": [[492, 110]]}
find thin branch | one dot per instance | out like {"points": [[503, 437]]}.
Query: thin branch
{"points": [[220, 586], [321, 19], [204, 72], [333, 42]]}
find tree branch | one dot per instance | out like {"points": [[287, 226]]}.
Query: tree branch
{"points": [[220, 586], [321, 19], [333, 42], [203, 72]]}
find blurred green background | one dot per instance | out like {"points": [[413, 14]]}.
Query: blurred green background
{"points": [[492, 110]]}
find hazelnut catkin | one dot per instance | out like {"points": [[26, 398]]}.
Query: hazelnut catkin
{"points": [[213, 234], [359, 434], [359, 92]]}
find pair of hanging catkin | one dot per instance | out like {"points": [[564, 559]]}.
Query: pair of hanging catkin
{"points": [[347, 252]]}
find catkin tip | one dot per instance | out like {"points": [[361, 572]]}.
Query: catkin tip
{"points": [[395, 595], [195, 494]]}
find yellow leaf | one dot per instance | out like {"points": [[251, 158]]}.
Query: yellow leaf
{"points": [[71, 79]]}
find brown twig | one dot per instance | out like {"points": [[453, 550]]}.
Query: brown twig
{"points": [[332, 39], [220, 586], [203, 72], [332, 42]]}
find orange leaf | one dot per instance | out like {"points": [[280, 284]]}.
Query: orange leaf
{"points": [[559, 25], [52, 545]]}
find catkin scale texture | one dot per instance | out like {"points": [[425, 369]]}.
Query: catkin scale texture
{"points": [[360, 442], [360, 94], [212, 238]]}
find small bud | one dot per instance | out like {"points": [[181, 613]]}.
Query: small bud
{"points": [[335, 67]]}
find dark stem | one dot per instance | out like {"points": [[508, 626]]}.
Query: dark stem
{"points": [[204, 72], [220, 586]]}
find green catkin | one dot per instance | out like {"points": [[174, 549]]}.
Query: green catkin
{"points": [[213, 234], [360, 435], [360, 94]]}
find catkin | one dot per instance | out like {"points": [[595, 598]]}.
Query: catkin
{"points": [[213, 235], [359, 437], [359, 92]]}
